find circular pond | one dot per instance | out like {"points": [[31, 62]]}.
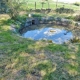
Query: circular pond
{"points": [[57, 36]]}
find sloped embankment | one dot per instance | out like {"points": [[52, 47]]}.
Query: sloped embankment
{"points": [[23, 59]]}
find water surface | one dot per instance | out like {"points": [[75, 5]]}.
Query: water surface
{"points": [[58, 36]]}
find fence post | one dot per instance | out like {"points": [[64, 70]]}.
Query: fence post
{"points": [[35, 5]]}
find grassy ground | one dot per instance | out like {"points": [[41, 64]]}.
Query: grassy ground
{"points": [[24, 59], [31, 5]]}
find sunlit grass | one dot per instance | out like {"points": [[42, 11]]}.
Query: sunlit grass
{"points": [[72, 69], [70, 55], [31, 5], [23, 58], [57, 47]]}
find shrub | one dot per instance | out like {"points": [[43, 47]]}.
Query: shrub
{"points": [[70, 17], [58, 19], [64, 10], [77, 4], [37, 15], [13, 8], [77, 18], [37, 10], [75, 39]]}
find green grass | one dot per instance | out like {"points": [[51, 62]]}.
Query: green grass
{"points": [[31, 5], [57, 47], [22, 58]]}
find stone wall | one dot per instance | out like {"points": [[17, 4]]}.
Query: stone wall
{"points": [[31, 21]]}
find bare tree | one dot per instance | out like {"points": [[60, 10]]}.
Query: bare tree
{"points": [[13, 7]]}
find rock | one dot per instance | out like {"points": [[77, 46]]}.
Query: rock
{"points": [[43, 20], [36, 20], [78, 23], [58, 19], [66, 22], [30, 15], [31, 21], [50, 41], [12, 25], [13, 28], [52, 30], [28, 23]]}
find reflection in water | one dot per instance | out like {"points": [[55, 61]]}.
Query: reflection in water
{"points": [[56, 35]]}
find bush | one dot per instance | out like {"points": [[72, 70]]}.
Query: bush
{"points": [[77, 4], [77, 18], [21, 18], [37, 10], [64, 10], [37, 15], [13, 8], [70, 17]]}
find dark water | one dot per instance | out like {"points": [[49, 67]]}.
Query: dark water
{"points": [[58, 36]]}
